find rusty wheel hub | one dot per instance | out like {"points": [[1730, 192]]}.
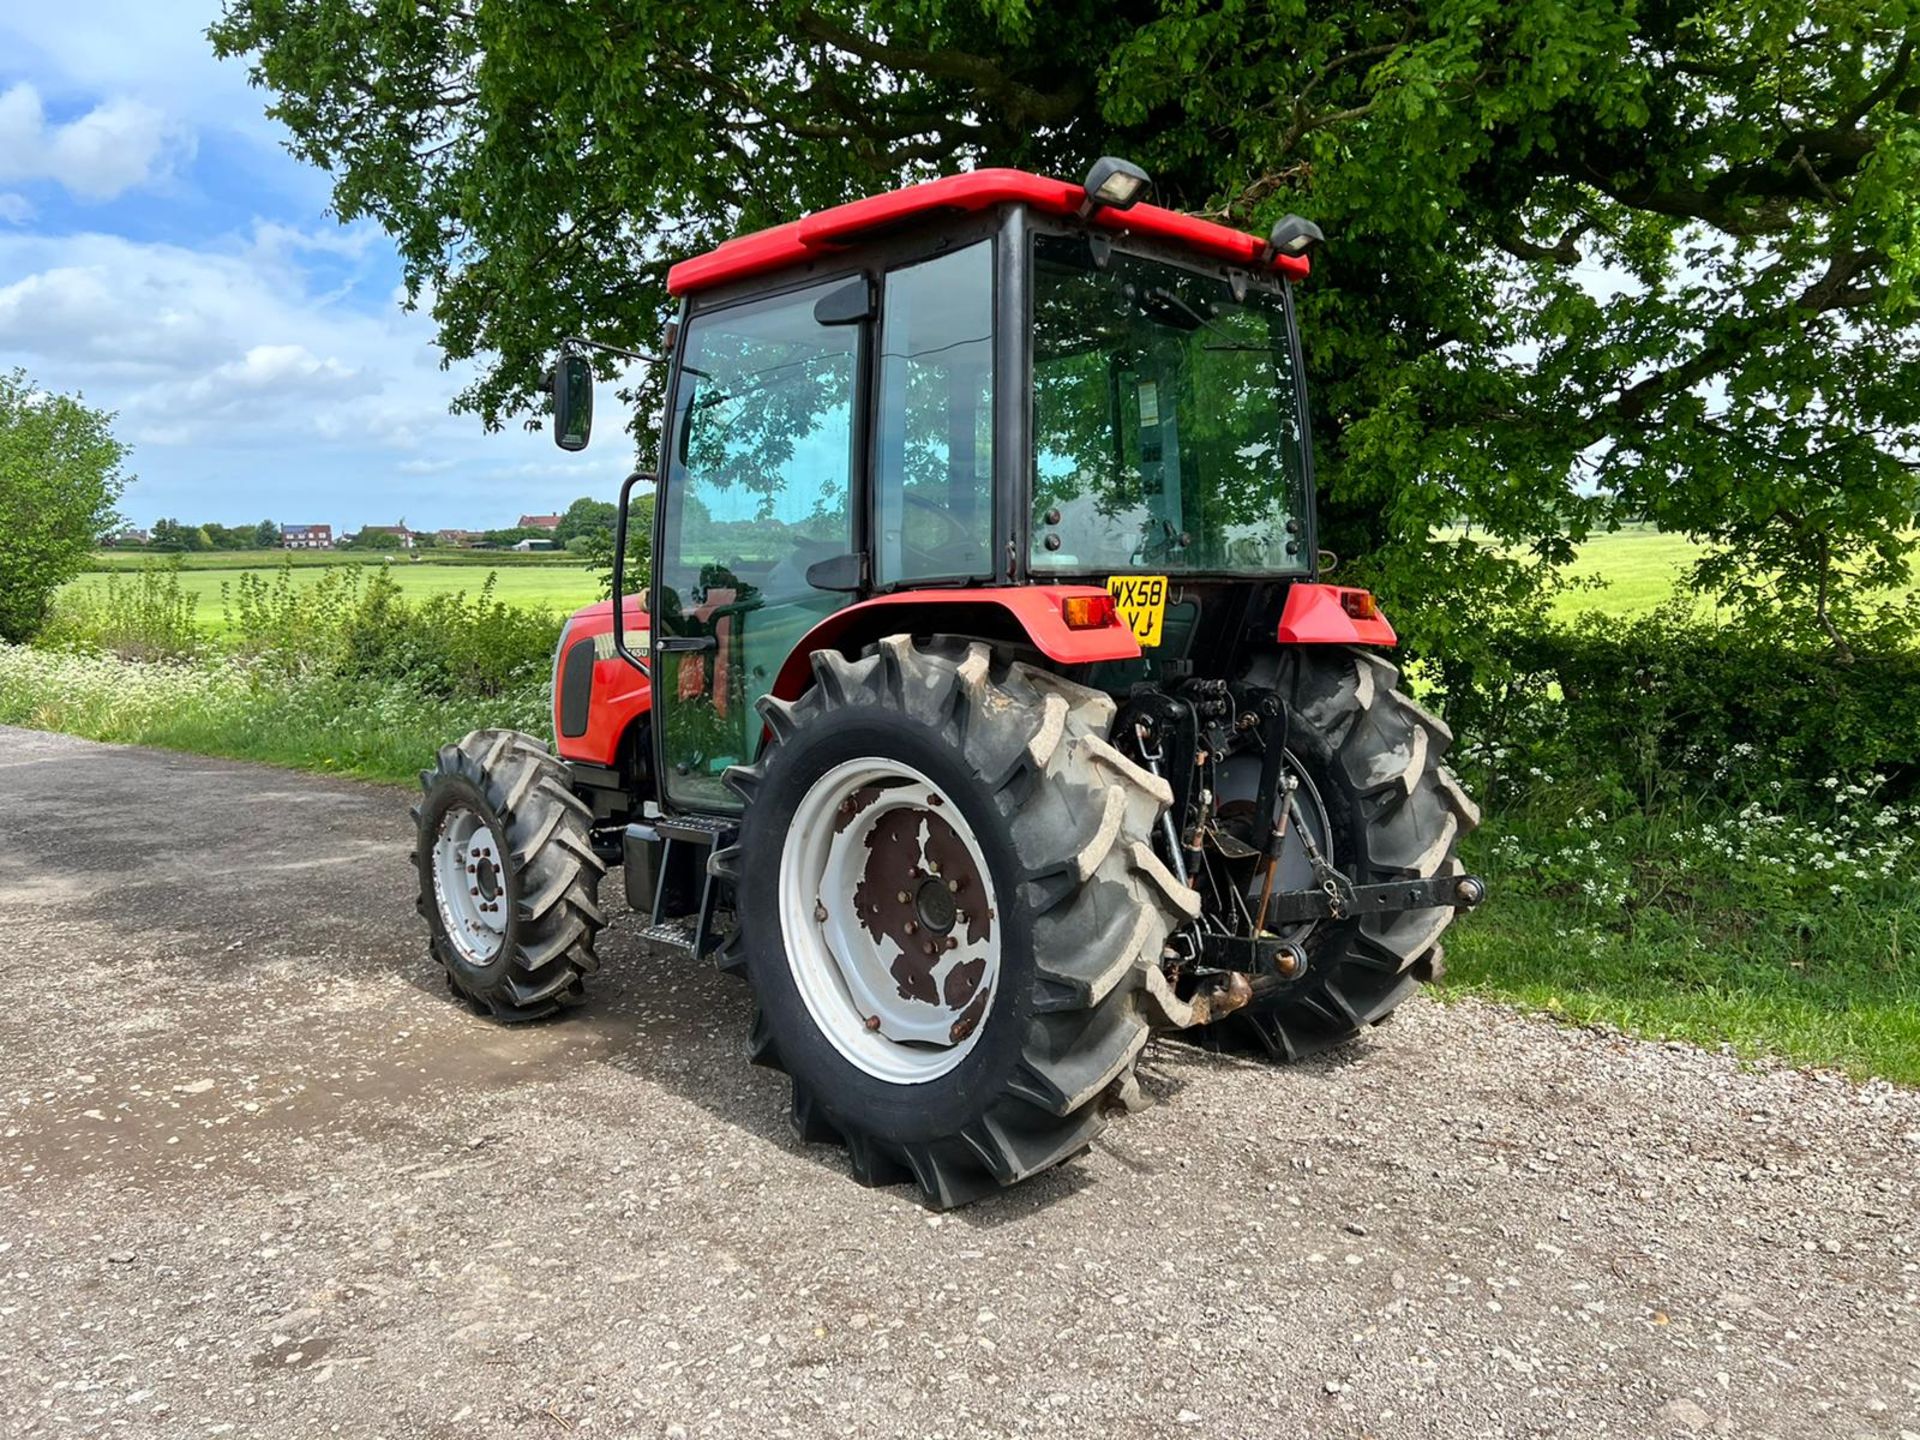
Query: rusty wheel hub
{"points": [[888, 917]]}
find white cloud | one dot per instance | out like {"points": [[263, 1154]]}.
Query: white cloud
{"points": [[156, 50], [117, 145], [244, 381], [249, 365]]}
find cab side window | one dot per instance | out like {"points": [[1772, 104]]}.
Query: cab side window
{"points": [[933, 454]]}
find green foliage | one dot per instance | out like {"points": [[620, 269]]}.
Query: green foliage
{"points": [[149, 616], [1666, 706], [59, 480], [1697, 833], [170, 535], [355, 623], [1588, 262], [513, 534], [586, 516], [595, 549], [448, 644], [367, 538]]}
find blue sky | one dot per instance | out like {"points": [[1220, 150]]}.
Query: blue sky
{"points": [[163, 255]]}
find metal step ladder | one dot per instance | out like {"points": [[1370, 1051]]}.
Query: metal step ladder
{"points": [[691, 933]]}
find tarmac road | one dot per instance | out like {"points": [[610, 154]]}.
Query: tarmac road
{"points": [[258, 1176]]}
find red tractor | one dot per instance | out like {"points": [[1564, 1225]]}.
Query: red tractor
{"points": [[984, 711]]}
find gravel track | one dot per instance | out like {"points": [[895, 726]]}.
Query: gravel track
{"points": [[258, 1176]]}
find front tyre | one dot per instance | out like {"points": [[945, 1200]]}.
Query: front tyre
{"points": [[948, 909], [508, 878]]}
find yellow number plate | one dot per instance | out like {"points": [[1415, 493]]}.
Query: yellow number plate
{"points": [[1142, 603]]}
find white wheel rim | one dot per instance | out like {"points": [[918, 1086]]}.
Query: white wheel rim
{"points": [[868, 832], [470, 885]]}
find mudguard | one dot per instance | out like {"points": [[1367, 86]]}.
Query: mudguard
{"points": [[1319, 615], [1033, 614]]}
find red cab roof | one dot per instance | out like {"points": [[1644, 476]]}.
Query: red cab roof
{"points": [[828, 231]]}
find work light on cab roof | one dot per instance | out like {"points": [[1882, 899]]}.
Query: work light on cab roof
{"points": [[983, 707]]}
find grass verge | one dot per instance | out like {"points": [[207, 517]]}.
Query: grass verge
{"points": [[1774, 934], [372, 729]]}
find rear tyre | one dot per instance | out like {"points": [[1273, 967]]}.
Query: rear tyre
{"points": [[1395, 812], [949, 909], [509, 882]]}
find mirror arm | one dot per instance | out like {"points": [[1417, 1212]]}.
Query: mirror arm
{"points": [[577, 342], [620, 575]]}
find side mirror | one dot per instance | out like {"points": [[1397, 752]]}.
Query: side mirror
{"points": [[842, 573], [572, 379]]}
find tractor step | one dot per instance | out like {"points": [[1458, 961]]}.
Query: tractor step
{"points": [[699, 829], [695, 933], [677, 934]]}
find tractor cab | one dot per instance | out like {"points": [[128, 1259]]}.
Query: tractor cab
{"points": [[984, 385], [984, 711]]}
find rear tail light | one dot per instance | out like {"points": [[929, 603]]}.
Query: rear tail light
{"points": [[1360, 604], [1089, 612]]}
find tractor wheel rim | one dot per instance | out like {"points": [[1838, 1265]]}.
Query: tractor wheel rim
{"points": [[470, 885], [889, 920]]}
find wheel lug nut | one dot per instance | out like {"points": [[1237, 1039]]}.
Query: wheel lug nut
{"points": [[913, 927], [873, 1022], [953, 887], [819, 911], [953, 942], [903, 897], [927, 949]]}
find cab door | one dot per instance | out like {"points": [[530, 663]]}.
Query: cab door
{"points": [[761, 485]]}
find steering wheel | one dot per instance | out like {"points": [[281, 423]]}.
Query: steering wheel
{"points": [[954, 533], [1163, 546]]}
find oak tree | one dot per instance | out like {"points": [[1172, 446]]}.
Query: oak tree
{"points": [[1586, 261]]}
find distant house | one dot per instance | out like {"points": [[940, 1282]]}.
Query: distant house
{"points": [[131, 536], [398, 532], [463, 538], [527, 546], [306, 537], [539, 522]]}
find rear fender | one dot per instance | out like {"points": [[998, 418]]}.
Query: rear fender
{"points": [[1023, 615], [1317, 615]]}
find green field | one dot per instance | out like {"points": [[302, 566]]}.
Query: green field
{"points": [[1638, 569], [1626, 573], [1635, 569], [273, 559], [559, 588]]}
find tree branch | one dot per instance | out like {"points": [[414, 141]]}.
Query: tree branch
{"points": [[1025, 105], [1564, 251]]}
